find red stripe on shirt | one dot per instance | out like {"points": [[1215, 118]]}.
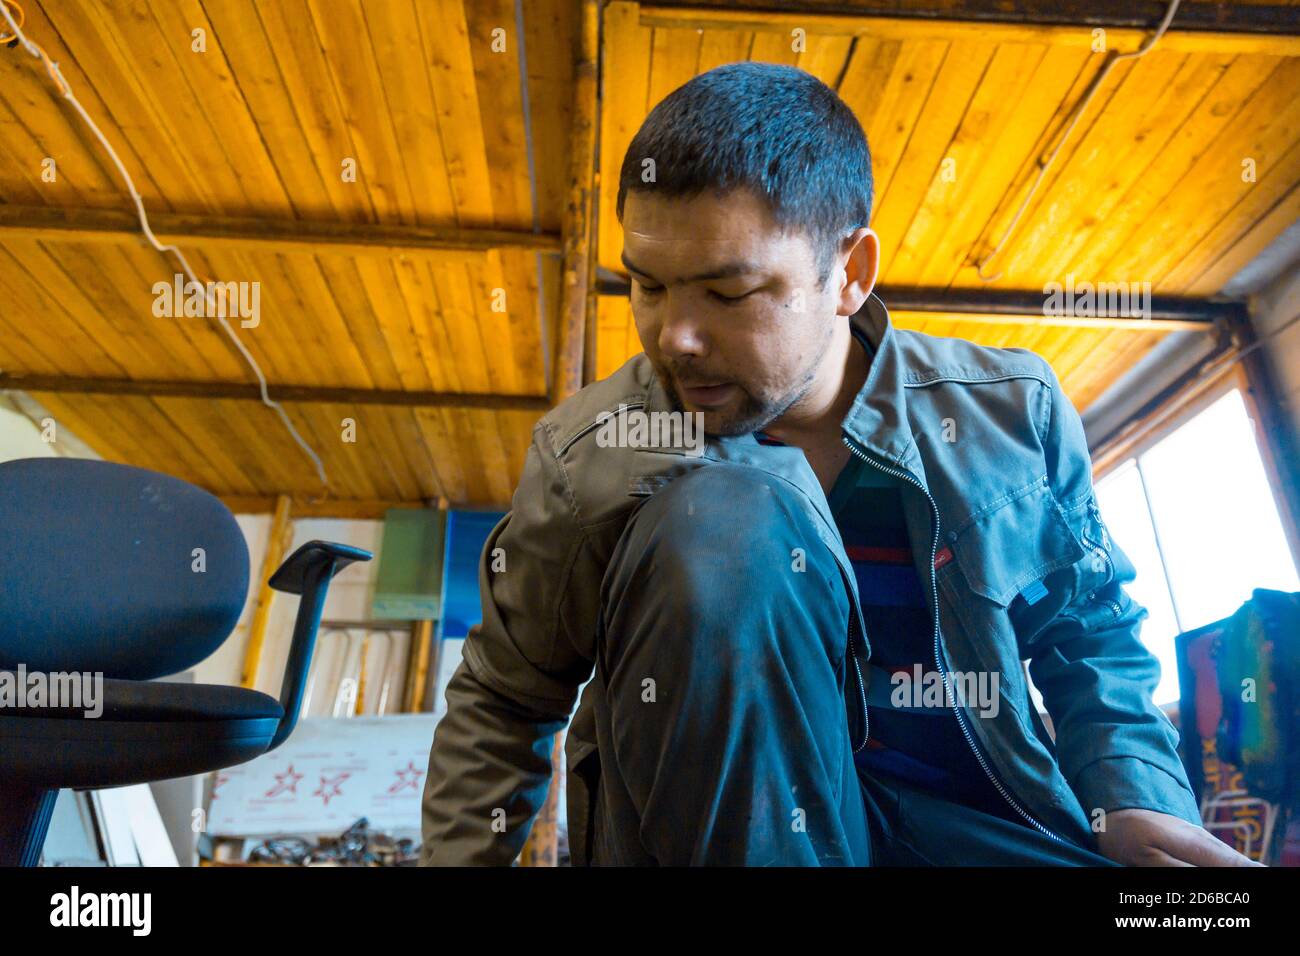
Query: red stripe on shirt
{"points": [[879, 555]]}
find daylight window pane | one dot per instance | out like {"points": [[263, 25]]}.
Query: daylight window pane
{"points": [[1215, 514], [1124, 509]]}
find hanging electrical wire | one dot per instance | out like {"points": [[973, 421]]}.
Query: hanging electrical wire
{"points": [[56, 75], [1045, 164]]}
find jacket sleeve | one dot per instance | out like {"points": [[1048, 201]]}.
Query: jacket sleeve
{"points": [[490, 763], [1116, 748]]}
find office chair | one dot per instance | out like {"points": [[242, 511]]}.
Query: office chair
{"points": [[129, 574]]}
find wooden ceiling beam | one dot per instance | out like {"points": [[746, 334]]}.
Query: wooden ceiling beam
{"points": [[359, 509], [1020, 307], [308, 237], [300, 394], [909, 316], [1238, 28], [1215, 15]]}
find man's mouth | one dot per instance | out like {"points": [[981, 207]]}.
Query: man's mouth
{"points": [[708, 395]]}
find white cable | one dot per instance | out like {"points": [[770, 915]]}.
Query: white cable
{"points": [[1045, 164], [57, 74]]}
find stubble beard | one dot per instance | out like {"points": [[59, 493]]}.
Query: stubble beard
{"points": [[753, 414]]}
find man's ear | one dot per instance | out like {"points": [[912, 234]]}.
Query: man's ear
{"points": [[860, 267]]}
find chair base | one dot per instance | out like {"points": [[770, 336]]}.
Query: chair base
{"points": [[24, 823]]}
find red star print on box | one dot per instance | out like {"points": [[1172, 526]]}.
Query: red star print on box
{"points": [[218, 779], [409, 776], [331, 787], [286, 782]]}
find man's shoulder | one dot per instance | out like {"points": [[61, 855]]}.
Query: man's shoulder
{"points": [[580, 413], [593, 476], [1015, 391], [930, 359]]}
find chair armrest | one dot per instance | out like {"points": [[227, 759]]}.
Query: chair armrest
{"points": [[298, 568], [306, 572]]}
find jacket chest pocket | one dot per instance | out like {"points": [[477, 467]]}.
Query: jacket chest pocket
{"points": [[1005, 552], [1008, 549]]}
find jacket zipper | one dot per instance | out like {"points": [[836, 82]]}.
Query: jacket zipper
{"points": [[947, 687], [1095, 511], [1101, 525]]}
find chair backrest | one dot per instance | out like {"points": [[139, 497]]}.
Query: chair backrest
{"points": [[105, 567]]}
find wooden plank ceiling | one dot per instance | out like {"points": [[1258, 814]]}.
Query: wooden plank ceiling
{"points": [[1148, 188], [426, 97], [258, 127]]}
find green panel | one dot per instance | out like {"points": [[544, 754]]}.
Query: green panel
{"points": [[408, 584]]}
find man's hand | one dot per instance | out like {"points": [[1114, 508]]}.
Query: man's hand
{"points": [[1147, 838]]}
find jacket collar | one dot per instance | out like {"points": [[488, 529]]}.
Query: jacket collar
{"points": [[877, 420]]}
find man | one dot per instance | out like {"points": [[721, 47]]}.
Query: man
{"points": [[779, 625]]}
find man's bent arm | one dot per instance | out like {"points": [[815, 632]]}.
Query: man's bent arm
{"points": [[490, 763], [1117, 749], [489, 770]]}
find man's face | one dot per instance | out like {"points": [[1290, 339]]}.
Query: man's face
{"points": [[727, 307]]}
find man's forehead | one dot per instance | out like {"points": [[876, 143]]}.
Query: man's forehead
{"points": [[696, 241], [735, 216], [703, 234]]}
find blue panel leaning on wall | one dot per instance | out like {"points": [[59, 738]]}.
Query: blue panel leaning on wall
{"points": [[467, 532]]}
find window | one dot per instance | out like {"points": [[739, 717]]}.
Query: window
{"points": [[1195, 514]]}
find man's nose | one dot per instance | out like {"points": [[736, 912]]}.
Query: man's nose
{"points": [[681, 333]]}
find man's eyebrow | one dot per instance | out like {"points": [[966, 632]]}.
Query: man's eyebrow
{"points": [[724, 271]]}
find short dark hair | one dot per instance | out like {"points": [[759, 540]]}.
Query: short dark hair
{"points": [[777, 130]]}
